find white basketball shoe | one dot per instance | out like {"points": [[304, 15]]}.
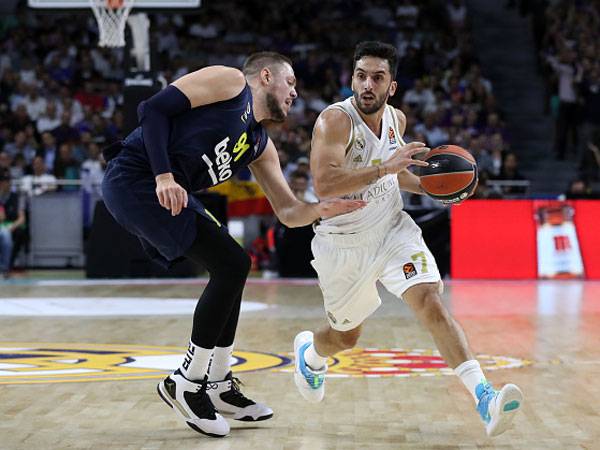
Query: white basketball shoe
{"points": [[310, 382], [498, 408], [191, 402]]}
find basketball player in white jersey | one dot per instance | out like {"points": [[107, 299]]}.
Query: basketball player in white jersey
{"points": [[358, 152]]}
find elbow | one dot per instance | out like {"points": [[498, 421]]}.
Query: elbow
{"points": [[322, 190], [288, 220]]}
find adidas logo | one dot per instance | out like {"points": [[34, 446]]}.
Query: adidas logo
{"points": [[357, 159]]}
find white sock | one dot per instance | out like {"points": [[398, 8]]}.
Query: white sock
{"points": [[220, 365], [471, 375], [313, 359], [195, 362]]}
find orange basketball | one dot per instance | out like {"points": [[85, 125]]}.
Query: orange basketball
{"points": [[451, 175]]}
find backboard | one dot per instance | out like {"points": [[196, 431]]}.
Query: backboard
{"points": [[139, 4]]}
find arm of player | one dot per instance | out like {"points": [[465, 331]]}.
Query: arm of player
{"points": [[410, 182], [202, 87], [288, 209], [328, 152], [407, 180]]}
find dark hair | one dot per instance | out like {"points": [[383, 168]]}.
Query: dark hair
{"points": [[4, 174], [257, 61], [298, 174], [378, 50]]}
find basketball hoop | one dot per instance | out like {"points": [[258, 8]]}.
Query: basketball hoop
{"points": [[111, 16]]}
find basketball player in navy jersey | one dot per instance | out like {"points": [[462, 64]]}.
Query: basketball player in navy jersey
{"points": [[358, 153], [196, 133]]}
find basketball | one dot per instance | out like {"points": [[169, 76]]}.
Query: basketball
{"points": [[451, 175]]}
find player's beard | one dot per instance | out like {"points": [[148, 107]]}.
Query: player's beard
{"points": [[276, 112], [374, 107]]}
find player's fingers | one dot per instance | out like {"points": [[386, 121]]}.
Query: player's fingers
{"points": [[414, 145], [180, 200], [185, 198], [418, 162], [162, 198], [175, 202], [417, 150]]}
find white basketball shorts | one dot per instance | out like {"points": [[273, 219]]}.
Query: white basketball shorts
{"points": [[348, 266]]}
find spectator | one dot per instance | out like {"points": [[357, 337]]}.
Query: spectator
{"points": [[569, 72], [66, 166], [590, 166], [419, 98], [434, 134], [14, 217], [20, 146], [579, 190], [48, 150], [40, 181], [590, 90], [34, 103], [299, 185], [6, 243], [49, 120], [510, 172], [65, 132], [92, 169]]}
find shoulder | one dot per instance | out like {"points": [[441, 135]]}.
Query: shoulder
{"points": [[401, 120], [333, 127], [211, 84], [333, 121]]}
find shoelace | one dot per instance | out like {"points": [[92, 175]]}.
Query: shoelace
{"points": [[199, 402], [487, 394], [235, 395]]}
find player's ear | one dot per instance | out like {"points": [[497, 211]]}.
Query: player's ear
{"points": [[393, 87], [266, 76]]}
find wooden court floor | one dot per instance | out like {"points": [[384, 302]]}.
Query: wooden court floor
{"points": [[79, 364]]}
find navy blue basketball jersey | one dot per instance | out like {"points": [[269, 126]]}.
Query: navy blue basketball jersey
{"points": [[208, 144]]}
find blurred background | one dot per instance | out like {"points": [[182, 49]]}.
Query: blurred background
{"points": [[517, 83]]}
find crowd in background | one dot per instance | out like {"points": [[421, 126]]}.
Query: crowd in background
{"points": [[568, 38], [61, 98]]}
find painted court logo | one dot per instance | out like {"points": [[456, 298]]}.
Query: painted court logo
{"points": [[24, 363], [398, 362], [28, 363]]}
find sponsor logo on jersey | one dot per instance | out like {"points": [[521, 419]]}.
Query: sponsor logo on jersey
{"points": [[392, 136], [409, 270], [223, 158], [376, 191], [244, 116]]}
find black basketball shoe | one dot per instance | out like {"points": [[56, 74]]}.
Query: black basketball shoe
{"points": [[230, 402], [191, 402]]}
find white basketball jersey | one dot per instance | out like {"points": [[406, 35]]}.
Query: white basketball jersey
{"points": [[365, 149]]}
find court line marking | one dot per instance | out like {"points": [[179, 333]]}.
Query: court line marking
{"points": [[156, 282]]}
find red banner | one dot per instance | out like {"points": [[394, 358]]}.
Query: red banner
{"points": [[499, 239]]}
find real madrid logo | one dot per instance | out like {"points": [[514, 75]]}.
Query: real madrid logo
{"points": [[24, 363], [27, 363], [359, 143], [398, 362]]}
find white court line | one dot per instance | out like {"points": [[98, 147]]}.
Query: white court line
{"points": [[158, 282], [107, 306]]}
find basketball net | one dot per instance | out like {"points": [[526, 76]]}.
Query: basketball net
{"points": [[111, 16]]}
